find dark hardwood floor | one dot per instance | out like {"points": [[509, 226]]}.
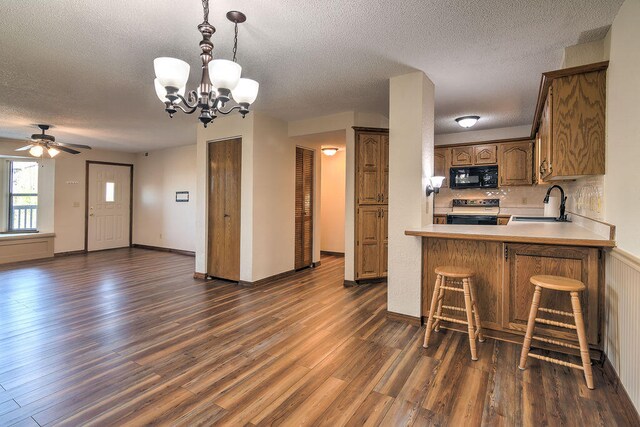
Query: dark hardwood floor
{"points": [[129, 337]]}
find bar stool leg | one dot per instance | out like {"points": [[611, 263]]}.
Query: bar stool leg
{"points": [[434, 300], [476, 314], [467, 304], [531, 323], [443, 282], [582, 339]]}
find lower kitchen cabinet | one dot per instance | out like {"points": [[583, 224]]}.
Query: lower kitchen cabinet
{"points": [[526, 260], [372, 242]]}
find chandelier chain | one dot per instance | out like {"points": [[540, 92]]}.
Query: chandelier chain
{"points": [[235, 43], [205, 6]]}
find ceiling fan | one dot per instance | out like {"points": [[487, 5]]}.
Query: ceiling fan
{"points": [[41, 142]]}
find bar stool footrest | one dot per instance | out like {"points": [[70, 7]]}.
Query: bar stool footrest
{"points": [[450, 319], [552, 311], [450, 307], [556, 342], [449, 288], [554, 360], [554, 323]]}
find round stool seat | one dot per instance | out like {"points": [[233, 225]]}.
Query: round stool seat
{"points": [[454, 272], [558, 283]]}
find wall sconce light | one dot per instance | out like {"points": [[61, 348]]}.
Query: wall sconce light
{"points": [[435, 182], [329, 151]]}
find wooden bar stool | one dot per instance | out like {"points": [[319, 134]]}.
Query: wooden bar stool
{"points": [[444, 275], [563, 284]]}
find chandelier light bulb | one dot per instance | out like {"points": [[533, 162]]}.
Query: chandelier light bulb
{"points": [[161, 92], [171, 72], [246, 91], [53, 152], [224, 74]]}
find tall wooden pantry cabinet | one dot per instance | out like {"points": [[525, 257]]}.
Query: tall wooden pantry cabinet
{"points": [[372, 199]]}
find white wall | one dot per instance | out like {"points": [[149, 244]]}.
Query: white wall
{"points": [[621, 196], [70, 202], [411, 124], [158, 219], [274, 198], [332, 212], [483, 135]]}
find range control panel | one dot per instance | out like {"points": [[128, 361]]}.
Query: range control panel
{"points": [[488, 203]]}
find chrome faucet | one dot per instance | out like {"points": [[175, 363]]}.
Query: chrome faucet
{"points": [[563, 200]]}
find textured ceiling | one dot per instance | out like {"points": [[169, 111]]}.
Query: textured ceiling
{"points": [[86, 66]]}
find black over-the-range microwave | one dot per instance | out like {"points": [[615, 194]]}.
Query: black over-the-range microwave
{"points": [[474, 177]]}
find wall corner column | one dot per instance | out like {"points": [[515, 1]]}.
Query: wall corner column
{"points": [[411, 131]]}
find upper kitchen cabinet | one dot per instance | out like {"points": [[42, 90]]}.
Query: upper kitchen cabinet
{"points": [[441, 164], [515, 160], [485, 154], [462, 156], [372, 165], [569, 124]]}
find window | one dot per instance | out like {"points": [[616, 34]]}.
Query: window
{"points": [[110, 192], [23, 196]]}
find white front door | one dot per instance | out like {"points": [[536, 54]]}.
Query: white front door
{"points": [[109, 206]]}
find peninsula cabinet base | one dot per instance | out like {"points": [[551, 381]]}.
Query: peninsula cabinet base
{"points": [[504, 291]]}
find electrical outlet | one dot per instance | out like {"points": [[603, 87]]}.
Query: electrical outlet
{"points": [[524, 200], [76, 204], [160, 236]]}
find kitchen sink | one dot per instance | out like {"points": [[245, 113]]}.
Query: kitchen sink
{"points": [[536, 219]]}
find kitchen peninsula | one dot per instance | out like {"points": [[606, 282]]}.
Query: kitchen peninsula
{"points": [[505, 257]]}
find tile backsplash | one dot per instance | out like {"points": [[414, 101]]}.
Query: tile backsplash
{"points": [[584, 197]]}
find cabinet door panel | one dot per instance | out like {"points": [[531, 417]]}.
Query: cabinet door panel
{"points": [[368, 245], [441, 164], [516, 160], [485, 258], [462, 156], [525, 261], [485, 154], [369, 173]]}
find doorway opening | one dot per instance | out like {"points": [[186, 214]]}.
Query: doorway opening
{"points": [[328, 198], [108, 208]]}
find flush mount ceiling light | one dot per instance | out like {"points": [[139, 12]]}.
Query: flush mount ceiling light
{"points": [[467, 121], [220, 82], [329, 151]]}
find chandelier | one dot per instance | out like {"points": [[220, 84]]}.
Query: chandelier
{"points": [[220, 83]]}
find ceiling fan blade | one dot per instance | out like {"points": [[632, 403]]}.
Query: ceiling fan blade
{"points": [[67, 150], [25, 148], [85, 147]]}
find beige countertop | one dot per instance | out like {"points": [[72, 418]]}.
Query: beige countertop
{"points": [[563, 233]]}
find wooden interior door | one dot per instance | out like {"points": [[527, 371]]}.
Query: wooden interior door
{"points": [[304, 208], [384, 240], [384, 169], [225, 159], [368, 173], [108, 206]]}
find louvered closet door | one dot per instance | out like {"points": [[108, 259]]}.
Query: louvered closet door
{"points": [[304, 208]]}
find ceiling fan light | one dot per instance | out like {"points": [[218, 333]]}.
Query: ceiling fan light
{"points": [[36, 151], [224, 74], [467, 121], [246, 91], [329, 151], [161, 92], [53, 152], [171, 72]]}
